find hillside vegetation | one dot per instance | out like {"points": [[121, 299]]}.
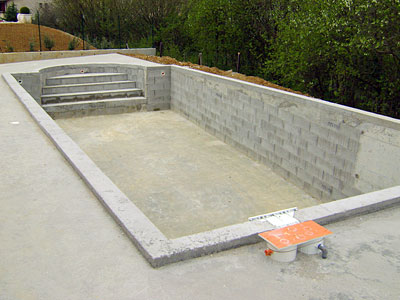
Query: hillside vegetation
{"points": [[344, 51], [15, 37]]}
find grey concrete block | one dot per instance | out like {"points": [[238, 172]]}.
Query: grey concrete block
{"points": [[325, 165], [332, 181], [297, 161], [291, 148], [309, 137], [313, 170], [267, 145], [301, 123], [327, 146], [308, 156], [341, 174], [313, 191], [286, 116], [282, 152], [337, 138], [276, 121], [290, 167]]}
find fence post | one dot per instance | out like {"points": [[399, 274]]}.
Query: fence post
{"points": [[238, 62], [83, 31], [119, 31], [40, 36]]}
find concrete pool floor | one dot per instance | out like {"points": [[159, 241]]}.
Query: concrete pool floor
{"points": [[182, 178]]}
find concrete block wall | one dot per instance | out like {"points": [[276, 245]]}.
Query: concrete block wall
{"points": [[312, 143], [31, 83], [158, 87]]}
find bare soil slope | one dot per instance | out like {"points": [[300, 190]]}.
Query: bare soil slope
{"points": [[166, 60], [17, 37]]}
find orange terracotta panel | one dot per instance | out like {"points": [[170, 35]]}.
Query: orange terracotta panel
{"points": [[294, 234]]}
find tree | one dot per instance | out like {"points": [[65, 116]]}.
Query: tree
{"points": [[11, 12], [346, 51]]}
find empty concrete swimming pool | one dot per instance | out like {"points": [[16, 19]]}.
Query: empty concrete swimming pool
{"points": [[183, 179], [186, 157]]}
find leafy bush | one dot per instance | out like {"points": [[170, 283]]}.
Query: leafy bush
{"points": [[73, 44], [11, 12], [9, 47], [48, 42], [32, 45], [24, 10]]}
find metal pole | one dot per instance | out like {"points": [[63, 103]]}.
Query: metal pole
{"points": [[161, 49], [238, 63], [83, 32], [40, 36], [119, 32]]}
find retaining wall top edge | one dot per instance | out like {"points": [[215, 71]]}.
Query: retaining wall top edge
{"points": [[106, 51], [87, 65]]}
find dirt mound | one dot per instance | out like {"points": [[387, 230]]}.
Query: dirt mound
{"points": [[16, 37], [166, 60]]}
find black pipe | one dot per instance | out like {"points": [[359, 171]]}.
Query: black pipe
{"points": [[83, 31], [119, 31], [324, 251], [40, 36]]}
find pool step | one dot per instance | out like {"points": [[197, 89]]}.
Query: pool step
{"points": [[95, 107], [87, 87], [81, 78], [93, 95]]}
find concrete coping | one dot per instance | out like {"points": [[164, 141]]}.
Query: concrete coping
{"points": [[36, 55], [152, 243]]}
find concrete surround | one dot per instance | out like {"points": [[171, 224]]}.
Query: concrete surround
{"points": [[30, 56], [331, 151]]}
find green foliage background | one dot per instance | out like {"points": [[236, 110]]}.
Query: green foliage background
{"points": [[344, 51]]}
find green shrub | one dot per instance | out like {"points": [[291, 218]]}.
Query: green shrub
{"points": [[32, 45], [11, 12], [73, 44], [24, 10], [48, 42], [9, 48]]}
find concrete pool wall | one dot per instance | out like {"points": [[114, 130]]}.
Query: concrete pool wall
{"points": [[376, 160], [329, 150]]}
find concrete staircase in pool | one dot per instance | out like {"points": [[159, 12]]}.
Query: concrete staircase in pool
{"points": [[91, 94]]}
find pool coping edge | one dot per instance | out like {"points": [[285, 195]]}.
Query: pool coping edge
{"points": [[151, 242]]}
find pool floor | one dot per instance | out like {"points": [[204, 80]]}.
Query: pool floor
{"points": [[182, 178]]}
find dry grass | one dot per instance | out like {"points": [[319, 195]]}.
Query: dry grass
{"points": [[19, 36], [166, 60]]}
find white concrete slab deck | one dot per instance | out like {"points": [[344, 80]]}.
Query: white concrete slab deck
{"points": [[58, 242]]}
